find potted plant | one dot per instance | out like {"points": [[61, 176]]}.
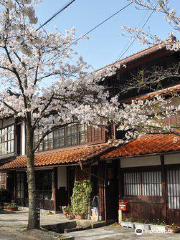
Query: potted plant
{"points": [[173, 228], [65, 210], [5, 205], [81, 198], [13, 207]]}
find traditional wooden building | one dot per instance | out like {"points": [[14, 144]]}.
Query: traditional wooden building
{"points": [[149, 177], [145, 173]]}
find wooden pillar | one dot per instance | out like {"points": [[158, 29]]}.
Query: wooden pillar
{"points": [[102, 189], [14, 190], [120, 214], [164, 188], [55, 188]]}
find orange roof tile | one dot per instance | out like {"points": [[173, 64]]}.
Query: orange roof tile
{"points": [[147, 144], [60, 156]]}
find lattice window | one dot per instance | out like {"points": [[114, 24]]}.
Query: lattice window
{"points": [[7, 140], [44, 185], [142, 184], [151, 184], [71, 135], [3, 177], [173, 187], [20, 185], [132, 184], [82, 174]]}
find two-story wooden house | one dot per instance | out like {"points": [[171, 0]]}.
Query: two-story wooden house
{"points": [[76, 152]]}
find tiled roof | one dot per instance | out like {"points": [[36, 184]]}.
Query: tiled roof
{"points": [[160, 92], [136, 56], [60, 156], [147, 144]]}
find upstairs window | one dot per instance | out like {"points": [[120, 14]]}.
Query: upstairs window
{"points": [[7, 140], [71, 135]]}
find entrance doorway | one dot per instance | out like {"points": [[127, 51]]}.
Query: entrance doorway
{"points": [[112, 190]]}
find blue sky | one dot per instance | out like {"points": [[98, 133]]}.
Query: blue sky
{"points": [[106, 43]]}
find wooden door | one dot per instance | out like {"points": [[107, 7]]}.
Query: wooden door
{"points": [[112, 191]]}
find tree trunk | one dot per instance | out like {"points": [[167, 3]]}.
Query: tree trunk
{"points": [[33, 221]]}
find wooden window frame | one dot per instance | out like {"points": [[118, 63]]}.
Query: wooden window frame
{"points": [[20, 193], [43, 191], [77, 134], [141, 171], [9, 148]]}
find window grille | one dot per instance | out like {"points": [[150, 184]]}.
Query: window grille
{"points": [[7, 140], [132, 184], [173, 189], [151, 184], [142, 184], [71, 135], [20, 185]]}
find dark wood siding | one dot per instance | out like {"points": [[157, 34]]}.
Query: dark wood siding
{"points": [[162, 207], [95, 135], [149, 204]]}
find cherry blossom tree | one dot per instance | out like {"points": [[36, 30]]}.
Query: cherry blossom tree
{"points": [[163, 7], [155, 114], [44, 83]]}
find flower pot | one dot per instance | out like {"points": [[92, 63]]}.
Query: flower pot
{"points": [[65, 212], [173, 230], [14, 209], [79, 216]]}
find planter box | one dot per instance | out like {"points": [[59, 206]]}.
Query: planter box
{"points": [[127, 224], [158, 228], [144, 226]]}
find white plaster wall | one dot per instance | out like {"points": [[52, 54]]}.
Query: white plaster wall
{"points": [[172, 159], [140, 161], [62, 177]]}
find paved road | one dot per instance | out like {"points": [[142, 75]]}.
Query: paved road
{"points": [[119, 233], [104, 233], [5, 236]]}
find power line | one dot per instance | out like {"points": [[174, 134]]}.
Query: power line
{"points": [[57, 13], [124, 52], [98, 25]]}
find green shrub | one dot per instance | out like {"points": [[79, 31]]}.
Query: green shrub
{"points": [[81, 197], [12, 205]]}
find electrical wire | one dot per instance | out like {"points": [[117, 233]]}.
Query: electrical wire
{"points": [[57, 13], [124, 52], [100, 24]]}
